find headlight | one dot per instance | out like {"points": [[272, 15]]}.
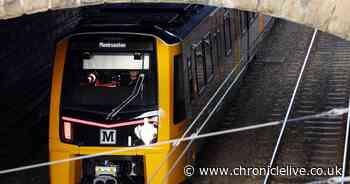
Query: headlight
{"points": [[67, 131], [148, 131]]}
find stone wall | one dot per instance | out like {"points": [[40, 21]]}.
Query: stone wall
{"points": [[326, 15]]}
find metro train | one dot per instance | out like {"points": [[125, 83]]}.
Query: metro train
{"points": [[138, 74]]}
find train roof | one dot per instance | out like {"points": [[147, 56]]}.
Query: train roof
{"points": [[170, 22]]}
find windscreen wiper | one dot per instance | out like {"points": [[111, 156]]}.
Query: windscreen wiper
{"points": [[135, 92]]}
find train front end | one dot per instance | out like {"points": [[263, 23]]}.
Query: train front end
{"points": [[110, 93]]}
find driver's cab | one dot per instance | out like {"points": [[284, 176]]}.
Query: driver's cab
{"points": [[113, 83], [112, 91]]}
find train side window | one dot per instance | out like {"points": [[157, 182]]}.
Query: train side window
{"points": [[208, 56], [227, 33], [179, 89], [199, 67], [251, 17], [243, 21]]}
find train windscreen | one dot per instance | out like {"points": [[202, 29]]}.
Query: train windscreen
{"points": [[102, 81]]}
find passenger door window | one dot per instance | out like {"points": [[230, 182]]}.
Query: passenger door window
{"points": [[244, 21], [227, 33], [199, 67], [208, 53], [215, 48]]}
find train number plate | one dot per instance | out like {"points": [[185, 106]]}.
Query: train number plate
{"points": [[108, 136]]}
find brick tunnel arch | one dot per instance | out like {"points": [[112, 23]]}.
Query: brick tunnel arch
{"points": [[35, 59], [329, 16]]}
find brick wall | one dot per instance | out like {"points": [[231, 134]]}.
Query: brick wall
{"points": [[26, 55]]}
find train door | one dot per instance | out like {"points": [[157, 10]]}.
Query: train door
{"points": [[179, 88]]}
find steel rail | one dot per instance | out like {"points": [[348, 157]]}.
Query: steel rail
{"points": [[284, 125]]}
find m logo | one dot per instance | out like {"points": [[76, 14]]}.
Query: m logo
{"points": [[108, 136]]}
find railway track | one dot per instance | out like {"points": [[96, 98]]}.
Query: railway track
{"points": [[319, 142], [264, 96]]}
